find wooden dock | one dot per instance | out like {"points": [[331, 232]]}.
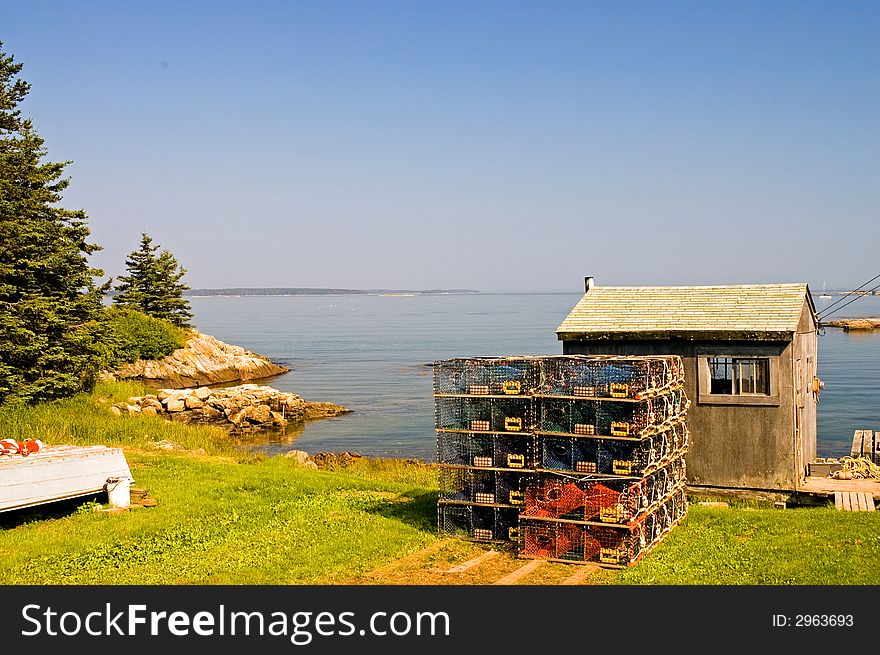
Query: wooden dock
{"points": [[866, 443], [58, 473], [853, 501]]}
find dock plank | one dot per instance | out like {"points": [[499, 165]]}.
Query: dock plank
{"points": [[471, 563], [583, 572], [520, 573], [870, 502], [838, 500]]}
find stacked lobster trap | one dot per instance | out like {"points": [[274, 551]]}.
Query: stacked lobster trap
{"points": [[484, 415], [573, 457]]}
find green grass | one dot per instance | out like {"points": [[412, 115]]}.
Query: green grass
{"points": [[226, 522], [85, 419], [222, 517], [228, 517], [744, 545]]}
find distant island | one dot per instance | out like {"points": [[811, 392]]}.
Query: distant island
{"points": [[305, 291]]}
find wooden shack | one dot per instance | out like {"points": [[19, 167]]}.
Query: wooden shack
{"points": [[750, 357]]}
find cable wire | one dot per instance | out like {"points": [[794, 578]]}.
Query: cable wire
{"points": [[867, 291], [849, 293]]}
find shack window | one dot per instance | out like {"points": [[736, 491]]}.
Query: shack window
{"points": [[739, 376]]}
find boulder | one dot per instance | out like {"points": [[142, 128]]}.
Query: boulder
{"points": [[152, 401], [299, 457], [115, 411], [278, 419], [203, 360], [174, 405], [244, 408], [191, 402]]}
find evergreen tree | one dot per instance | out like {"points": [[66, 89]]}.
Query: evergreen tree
{"points": [[153, 284], [50, 307]]}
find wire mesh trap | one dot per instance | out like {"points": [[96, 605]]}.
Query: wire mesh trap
{"points": [[478, 523], [607, 376], [486, 450], [576, 458], [598, 417], [484, 376], [483, 487], [607, 545], [494, 414]]}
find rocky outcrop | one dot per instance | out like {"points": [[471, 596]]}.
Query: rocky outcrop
{"points": [[204, 360], [855, 324], [240, 409], [323, 459]]}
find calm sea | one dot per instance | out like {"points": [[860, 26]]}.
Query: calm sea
{"points": [[371, 354]]}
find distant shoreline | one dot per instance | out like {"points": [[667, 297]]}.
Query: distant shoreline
{"points": [[297, 291]]}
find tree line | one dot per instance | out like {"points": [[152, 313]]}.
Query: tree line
{"points": [[55, 331]]}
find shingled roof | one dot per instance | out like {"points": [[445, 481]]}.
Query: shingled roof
{"points": [[756, 311]]}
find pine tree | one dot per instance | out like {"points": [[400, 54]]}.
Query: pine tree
{"points": [[50, 307], [153, 284]]}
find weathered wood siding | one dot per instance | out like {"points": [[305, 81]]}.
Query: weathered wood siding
{"points": [[732, 445]]}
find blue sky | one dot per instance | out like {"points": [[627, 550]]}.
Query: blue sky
{"points": [[491, 145]]}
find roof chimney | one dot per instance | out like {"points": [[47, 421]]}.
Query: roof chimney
{"points": [[588, 283]]}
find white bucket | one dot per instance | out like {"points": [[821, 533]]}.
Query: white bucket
{"points": [[118, 494]]}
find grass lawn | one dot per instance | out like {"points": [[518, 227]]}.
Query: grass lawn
{"points": [[228, 517]]}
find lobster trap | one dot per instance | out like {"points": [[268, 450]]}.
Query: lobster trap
{"points": [[487, 376], [487, 450], [478, 523], [569, 542], [665, 517], [604, 417], [605, 376], [483, 487], [599, 499], [484, 414], [576, 458]]}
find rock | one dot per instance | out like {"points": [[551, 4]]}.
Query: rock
{"points": [[310, 465], [259, 414], [299, 457], [164, 444], [323, 410], [331, 460], [204, 360], [244, 408], [210, 413], [151, 401], [855, 323], [191, 402], [174, 405], [115, 411]]}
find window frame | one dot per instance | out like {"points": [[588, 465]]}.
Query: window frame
{"points": [[704, 378]]}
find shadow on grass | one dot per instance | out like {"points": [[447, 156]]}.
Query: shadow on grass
{"points": [[57, 510], [419, 511]]}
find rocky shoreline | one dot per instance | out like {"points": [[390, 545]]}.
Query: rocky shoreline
{"points": [[855, 324], [241, 409], [204, 360]]}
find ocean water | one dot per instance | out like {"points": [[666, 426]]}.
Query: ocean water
{"points": [[373, 354]]}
